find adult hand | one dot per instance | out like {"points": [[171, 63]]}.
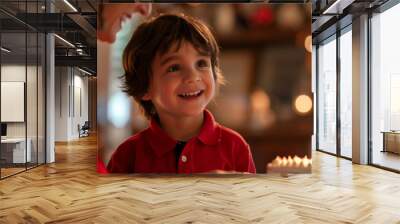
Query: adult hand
{"points": [[112, 15]]}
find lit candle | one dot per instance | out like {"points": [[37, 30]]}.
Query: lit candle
{"points": [[287, 165]]}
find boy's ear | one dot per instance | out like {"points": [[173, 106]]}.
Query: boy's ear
{"points": [[146, 97]]}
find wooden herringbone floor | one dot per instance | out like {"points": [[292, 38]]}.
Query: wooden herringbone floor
{"points": [[70, 191]]}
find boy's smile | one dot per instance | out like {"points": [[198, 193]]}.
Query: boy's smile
{"points": [[182, 82], [191, 95]]}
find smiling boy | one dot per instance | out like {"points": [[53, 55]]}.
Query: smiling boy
{"points": [[172, 70]]}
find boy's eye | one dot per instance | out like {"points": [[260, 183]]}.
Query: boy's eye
{"points": [[173, 68], [202, 63]]}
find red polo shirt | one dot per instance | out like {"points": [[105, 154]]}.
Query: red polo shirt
{"points": [[152, 151]]}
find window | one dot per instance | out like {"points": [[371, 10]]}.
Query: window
{"points": [[346, 93], [385, 88], [327, 96]]}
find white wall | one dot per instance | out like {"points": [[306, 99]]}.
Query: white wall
{"points": [[71, 94], [80, 84], [16, 73], [61, 103]]}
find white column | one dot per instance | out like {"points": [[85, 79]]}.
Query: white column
{"points": [[50, 100], [62, 103]]}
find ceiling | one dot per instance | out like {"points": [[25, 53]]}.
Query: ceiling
{"points": [[332, 15], [23, 22]]}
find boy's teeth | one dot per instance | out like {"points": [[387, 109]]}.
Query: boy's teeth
{"points": [[191, 94]]}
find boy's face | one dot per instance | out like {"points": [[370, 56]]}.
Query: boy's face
{"points": [[182, 82]]}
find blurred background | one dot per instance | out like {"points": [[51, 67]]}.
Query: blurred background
{"points": [[266, 61]]}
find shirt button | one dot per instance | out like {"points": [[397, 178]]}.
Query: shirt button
{"points": [[184, 159]]}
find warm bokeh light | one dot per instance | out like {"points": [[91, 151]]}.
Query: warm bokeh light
{"points": [[261, 114], [289, 16], [303, 104], [260, 100], [308, 43]]}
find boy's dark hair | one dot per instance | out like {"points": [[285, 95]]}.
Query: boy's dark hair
{"points": [[158, 35]]}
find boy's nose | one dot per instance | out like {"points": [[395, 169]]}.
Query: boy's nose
{"points": [[192, 76]]}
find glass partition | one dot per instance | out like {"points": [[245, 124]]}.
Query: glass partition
{"points": [[346, 93], [41, 91], [22, 90], [385, 89], [13, 105], [327, 96], [31, 97]]}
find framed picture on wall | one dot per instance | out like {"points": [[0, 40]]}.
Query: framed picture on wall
{"points": [[12, 101]]}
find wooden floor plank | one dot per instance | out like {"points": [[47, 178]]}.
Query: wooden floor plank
{"points": [[70, 191]]}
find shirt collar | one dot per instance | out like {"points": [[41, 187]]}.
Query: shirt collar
{"points": [[209, 133], [161, 143]]}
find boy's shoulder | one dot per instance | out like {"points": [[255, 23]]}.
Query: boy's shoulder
{"points": [[231, 135], [132, 141]]}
